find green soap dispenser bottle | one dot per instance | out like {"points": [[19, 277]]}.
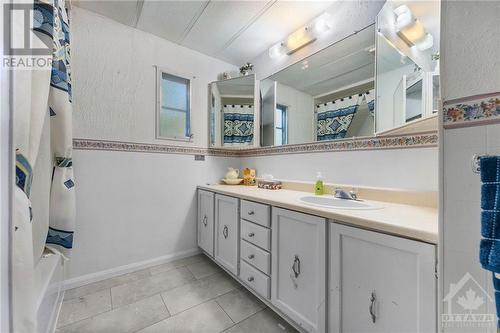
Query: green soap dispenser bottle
{"points": [[318, 186]]}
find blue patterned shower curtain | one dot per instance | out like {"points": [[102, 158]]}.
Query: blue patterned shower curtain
{"points": [[238, 124], [334, 119], [35, 92], [62, 193]]}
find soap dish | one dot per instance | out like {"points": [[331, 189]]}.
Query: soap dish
{"points": [[236, 181]]}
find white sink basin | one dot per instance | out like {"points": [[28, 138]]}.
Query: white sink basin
{"points": [[330, 201]]}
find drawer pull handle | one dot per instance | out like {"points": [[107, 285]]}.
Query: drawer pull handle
{"points": [[251, 234], [205, 219], [250, 279], [296, 266], [225, 232], [373, 299], [251, 212], [251, 256]]}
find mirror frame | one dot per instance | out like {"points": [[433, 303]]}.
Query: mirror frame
{"points": [[256, 114]]}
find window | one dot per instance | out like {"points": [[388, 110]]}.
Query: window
{"points": [[173, 114], [280, 126]]}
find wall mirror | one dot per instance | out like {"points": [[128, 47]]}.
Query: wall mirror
{"points": [[407, 57], [231, 112], [327, 96]]}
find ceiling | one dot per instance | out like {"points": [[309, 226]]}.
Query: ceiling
{"points": [[240, 86], [340, 65], [233, 31]]}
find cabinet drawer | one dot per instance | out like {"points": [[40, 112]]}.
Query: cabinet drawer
{"points": [[255, 256], [255, 212], [255, 279], [256, 234]]}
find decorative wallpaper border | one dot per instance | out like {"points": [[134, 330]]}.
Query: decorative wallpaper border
{"points": [[91, 144], [418, 140], [472, 110]]}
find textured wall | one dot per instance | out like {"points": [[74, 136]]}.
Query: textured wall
{"points": [[470, 65], [133, 206], [114, 80], [413, 169], [360, 14]]}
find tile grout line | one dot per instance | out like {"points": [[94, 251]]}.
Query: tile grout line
{"points": [[166, 307], [111, 298], [153, 275], [178, 313], [243, 320], [227, 314], [159, 321], [148, 269], [88, 318], [193, 306], [134, 281]]}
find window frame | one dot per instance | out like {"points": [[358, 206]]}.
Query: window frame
{"points": [[159, 73], [284, 123]]}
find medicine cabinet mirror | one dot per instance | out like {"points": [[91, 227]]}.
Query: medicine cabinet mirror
{"points": [[231, 112], [327, 96], [407, 58]]}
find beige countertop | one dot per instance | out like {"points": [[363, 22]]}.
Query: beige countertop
{"points": [[415, 222]]}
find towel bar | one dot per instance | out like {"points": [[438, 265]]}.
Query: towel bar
{"points": [[475, 163]]}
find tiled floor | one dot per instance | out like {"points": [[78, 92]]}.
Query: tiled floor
{"points": [[187, 295]]}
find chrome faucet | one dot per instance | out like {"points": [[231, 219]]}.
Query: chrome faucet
{"points": [[343, 194]]}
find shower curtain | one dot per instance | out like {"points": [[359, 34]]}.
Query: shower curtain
{"points": [[334, 118], [38, 91], [370, 100], [238, 125]]}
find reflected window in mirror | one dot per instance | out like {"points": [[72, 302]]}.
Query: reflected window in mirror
{"points": [[326, 95], [173, 112], [281, 128]]}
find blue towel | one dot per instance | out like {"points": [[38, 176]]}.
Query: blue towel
{"points": [[489, 252], [490, 215]]}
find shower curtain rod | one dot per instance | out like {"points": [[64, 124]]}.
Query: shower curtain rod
{"points": [[342, 98]]}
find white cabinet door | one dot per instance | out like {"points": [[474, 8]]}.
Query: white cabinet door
{"points": [[380, 283], [298, 274], [227, 232], [206, 221]]}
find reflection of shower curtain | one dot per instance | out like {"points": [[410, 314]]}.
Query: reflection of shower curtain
{"points": [[238, 124], [35, 92], [370, 100], [334, 118]]}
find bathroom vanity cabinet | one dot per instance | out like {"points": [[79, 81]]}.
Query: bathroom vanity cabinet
{"points": [[300, 265], [299, 277], [227, 232], [206, 221], [380, 283]]}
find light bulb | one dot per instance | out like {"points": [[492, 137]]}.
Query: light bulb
{"points": [[426, 43], [277, 50], [404, 17], [322, 24]]}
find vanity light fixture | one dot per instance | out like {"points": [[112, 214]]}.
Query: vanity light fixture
{"points": [[411, 30], [426, 43], [277, 51], [301, 37]]}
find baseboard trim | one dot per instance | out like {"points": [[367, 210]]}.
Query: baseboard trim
{"points": [[120, 270]]}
